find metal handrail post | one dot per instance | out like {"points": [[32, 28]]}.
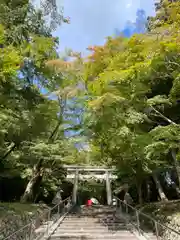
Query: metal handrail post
{"points": [[59, 209], [138, 222], [120, 205], [126, 206], [31, 231], [156, 229], [48, 220]]}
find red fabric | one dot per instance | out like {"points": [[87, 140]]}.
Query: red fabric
{"points": [[89, 202]]}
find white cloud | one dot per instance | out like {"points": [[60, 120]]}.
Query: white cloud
{"points": [[129, 5], [92, 20]]}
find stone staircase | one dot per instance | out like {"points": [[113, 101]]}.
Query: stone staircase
{"points": [[93, 223]]}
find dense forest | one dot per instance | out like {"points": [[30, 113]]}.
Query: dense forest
{"points": [[119, 106]]}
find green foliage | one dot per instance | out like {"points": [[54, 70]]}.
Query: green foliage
{"points": [[127, 93], [132, 114], [32, 124]]}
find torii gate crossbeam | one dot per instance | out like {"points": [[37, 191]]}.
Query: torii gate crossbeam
{"points": [[75, 171]]}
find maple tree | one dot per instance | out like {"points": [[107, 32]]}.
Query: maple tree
{"points": [[133, 87], [125, 95], [32, 141]]}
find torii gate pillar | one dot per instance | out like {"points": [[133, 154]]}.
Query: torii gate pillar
{"points": [[108, 189], [75, 187]]}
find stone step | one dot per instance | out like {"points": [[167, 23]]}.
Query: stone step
{"points": [[81, 230], [80, 224], [150, 236], [81, 220], [87, 236], [87, 227], [94, 220], [94, 224], [118, 227], [101, 224], [66, 228]]}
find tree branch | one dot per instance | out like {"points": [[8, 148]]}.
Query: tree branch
{"points": [[164, 117], [10, 149]]}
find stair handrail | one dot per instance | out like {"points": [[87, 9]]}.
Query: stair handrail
{"points": [[138, 212], [29, 231]]}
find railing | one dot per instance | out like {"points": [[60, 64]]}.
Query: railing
{"points": [[41, 226], [145, 225]]}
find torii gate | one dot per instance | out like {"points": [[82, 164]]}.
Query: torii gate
{"points": [[101, 173]]}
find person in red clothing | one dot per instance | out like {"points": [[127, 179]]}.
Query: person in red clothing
{"points": [[89, 203]]}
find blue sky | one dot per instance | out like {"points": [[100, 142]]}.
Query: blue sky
{"points": [[93, 20]]}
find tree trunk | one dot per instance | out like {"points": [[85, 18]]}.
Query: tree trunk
{"points": [[176, 165], [148, 192], [28, 195], [38, 171], [159, 188], [140, 198]]}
